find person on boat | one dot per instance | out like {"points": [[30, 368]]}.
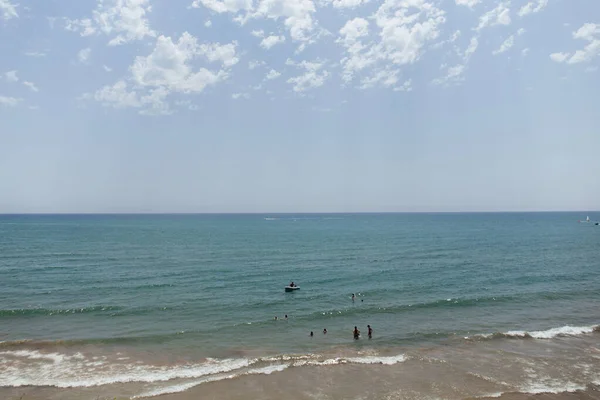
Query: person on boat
{"points": [[370, 331], [292, 284], [356, 333]]}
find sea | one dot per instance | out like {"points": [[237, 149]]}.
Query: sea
{"points": [[462, 305]]}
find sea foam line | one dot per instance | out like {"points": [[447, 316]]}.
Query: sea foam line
{"points": [[34, 368], [547, 334], [186, 386], [296, 361]]}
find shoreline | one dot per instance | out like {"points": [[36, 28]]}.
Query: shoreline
{"points": [[567, 367]]}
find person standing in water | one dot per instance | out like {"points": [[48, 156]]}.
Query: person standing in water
{"points": [[353, 297], [356, 333], [370, 332], [311, 334], [325, 331]]}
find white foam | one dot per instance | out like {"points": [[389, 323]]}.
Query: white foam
{"points": [[495, 394], [562, 331], [551, 386], [547, 334], [378, 360], [32, 368], [186, 386], [353, 360], [554, 332]]}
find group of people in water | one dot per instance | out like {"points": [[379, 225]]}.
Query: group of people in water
{"points": [[355, 332]]}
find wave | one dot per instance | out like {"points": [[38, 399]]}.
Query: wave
{"points": [[35, 368], [551, 333], [49, 311], [186, 386]]}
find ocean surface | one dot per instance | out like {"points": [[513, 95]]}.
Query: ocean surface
{"points": [[143, 305]]}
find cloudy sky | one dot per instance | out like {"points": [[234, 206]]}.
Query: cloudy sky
{"points": [[299, 105]]}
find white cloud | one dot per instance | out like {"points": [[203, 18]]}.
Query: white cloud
{"points": [[258, 33], [559, 57], [453, 74], [187, 104], [35, 53], [11, 76], [208, 24], [406, 26], [237, 96], [8, 10], [589, 32], [167, 69], [352, 30], [525, 51], [123, 20], [467, 3], [498, 16], [222, 6], [297, 15], [9, 101], [31, 86], [473, 44], [168, 64], [348, 3], [84, 55], [155, 102], [117, 96], [532, 7], [272, 74], [384, 77], [405, 87], [505, 46], [312, 78], [225, 53], [405, 29], [84, 26], [271, 41], [107, 69], [253, 64]]}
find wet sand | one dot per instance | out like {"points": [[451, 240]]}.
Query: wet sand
{"points": [[506, 369]]}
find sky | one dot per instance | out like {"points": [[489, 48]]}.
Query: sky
{"points": [[125, 106]]}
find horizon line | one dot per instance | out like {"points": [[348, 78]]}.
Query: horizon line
{"points": [[299, 213]]}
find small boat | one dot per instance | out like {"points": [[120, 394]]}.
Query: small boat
{"points": [[291, 288]]}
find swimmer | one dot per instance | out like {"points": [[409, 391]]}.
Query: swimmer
{"points": [[324, 331], [275, 318], [285, 316], [370, 331]]}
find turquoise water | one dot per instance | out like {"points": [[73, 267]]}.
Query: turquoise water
{"points": [[215, 282]]}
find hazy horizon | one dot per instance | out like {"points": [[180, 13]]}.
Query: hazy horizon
{"points": [[263, 106]]}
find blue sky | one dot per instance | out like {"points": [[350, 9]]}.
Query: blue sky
{"points": [[299, 105]]}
